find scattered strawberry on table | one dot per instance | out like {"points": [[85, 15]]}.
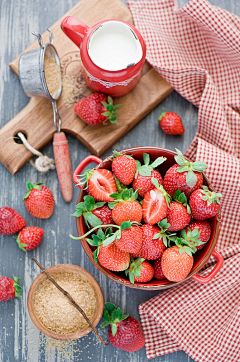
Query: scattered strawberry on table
{"points": [[172, 206], [39, 200], [9, 288], [124, 332], [10, 221], [29, 238], [97, 109], [171, 123]]}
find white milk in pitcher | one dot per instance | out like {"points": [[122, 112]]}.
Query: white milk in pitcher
{"points": [[114, 46]]}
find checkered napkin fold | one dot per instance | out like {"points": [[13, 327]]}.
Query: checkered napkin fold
{"points": [[196, 48]]}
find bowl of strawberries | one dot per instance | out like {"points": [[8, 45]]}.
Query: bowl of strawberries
{"points": [[148, 217]]}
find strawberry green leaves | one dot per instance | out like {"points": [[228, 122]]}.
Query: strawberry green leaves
{"points": [[188, 241], [31, 187], [111, 112], [210, 196], [189, 167], [125, 195], [134, 269], [84, 208], [181, 198], [147, 168], [166, 236], [21, 245], [16, 286], [112, 315]]}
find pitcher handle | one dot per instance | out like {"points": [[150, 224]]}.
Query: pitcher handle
{"points": [[74, 29]]}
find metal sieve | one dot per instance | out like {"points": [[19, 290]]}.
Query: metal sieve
{"points": [[32, 74]]}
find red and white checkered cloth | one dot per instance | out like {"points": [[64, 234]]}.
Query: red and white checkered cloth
{"points": [[197, 50]]}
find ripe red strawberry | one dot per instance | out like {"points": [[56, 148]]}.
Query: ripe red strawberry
{"points": [[176, 266], [204, 203], [155, 204], [124, 167], [124, 332], [131, 240], [29, 238], [94, 213], [101, 183], [125, 207], [112, 258], [39, 200], [171, 123], [152, 248], [158, 274], [192, 237], [10, 221], [177, 216], [145, 173], [140, 271], [184, 176], [96, 109], [9, 288]]}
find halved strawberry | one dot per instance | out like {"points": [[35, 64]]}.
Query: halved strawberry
{"points": [[100, 184], [155, 204]]}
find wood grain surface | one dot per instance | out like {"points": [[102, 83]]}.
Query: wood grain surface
{"points": [[36, 119], [20, 341]]}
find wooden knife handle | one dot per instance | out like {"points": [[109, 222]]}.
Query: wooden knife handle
{"points": [[63, 165]]}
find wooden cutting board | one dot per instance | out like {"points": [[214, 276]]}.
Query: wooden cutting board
{"points": [[36, 119]]}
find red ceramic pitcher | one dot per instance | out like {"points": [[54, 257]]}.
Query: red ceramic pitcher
{"points": [[112, 53]]}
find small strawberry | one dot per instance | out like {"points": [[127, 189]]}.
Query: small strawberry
{"points": [[39, 200], [197, 234], [144, 174], [152, 246], [177, 216], [94, 213], [140, 271], [124, 167], [96, 109], [9, 288], [185, 176], [171, 123], [204, 203], [176, 263], [125, 207], [130, 240], [29, 238], [107, 253], [10, 221], [158, 274], [100, 183], [124, 332], [155, 204]]}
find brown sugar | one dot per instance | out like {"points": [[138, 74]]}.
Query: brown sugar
{"points": [[56, 312], [52, 75], [70, 90]]}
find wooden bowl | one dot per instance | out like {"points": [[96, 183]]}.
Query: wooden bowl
{"points": [[69, 268], [200, 258]]}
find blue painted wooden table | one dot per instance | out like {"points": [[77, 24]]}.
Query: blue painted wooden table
{"points": [[19, 338]]}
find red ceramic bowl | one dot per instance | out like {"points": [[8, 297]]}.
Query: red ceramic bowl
{"points": [[200, 258]]}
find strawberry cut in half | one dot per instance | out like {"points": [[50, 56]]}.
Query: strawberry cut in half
{"points": [[100, 183], [155, 204]]}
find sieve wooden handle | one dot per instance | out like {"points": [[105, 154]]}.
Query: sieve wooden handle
{"points": [[63, 165]]}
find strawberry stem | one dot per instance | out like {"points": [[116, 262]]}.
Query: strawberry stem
{"points": [[90, 231]]}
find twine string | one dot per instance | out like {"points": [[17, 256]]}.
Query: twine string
{"points": [[42, 163]]}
